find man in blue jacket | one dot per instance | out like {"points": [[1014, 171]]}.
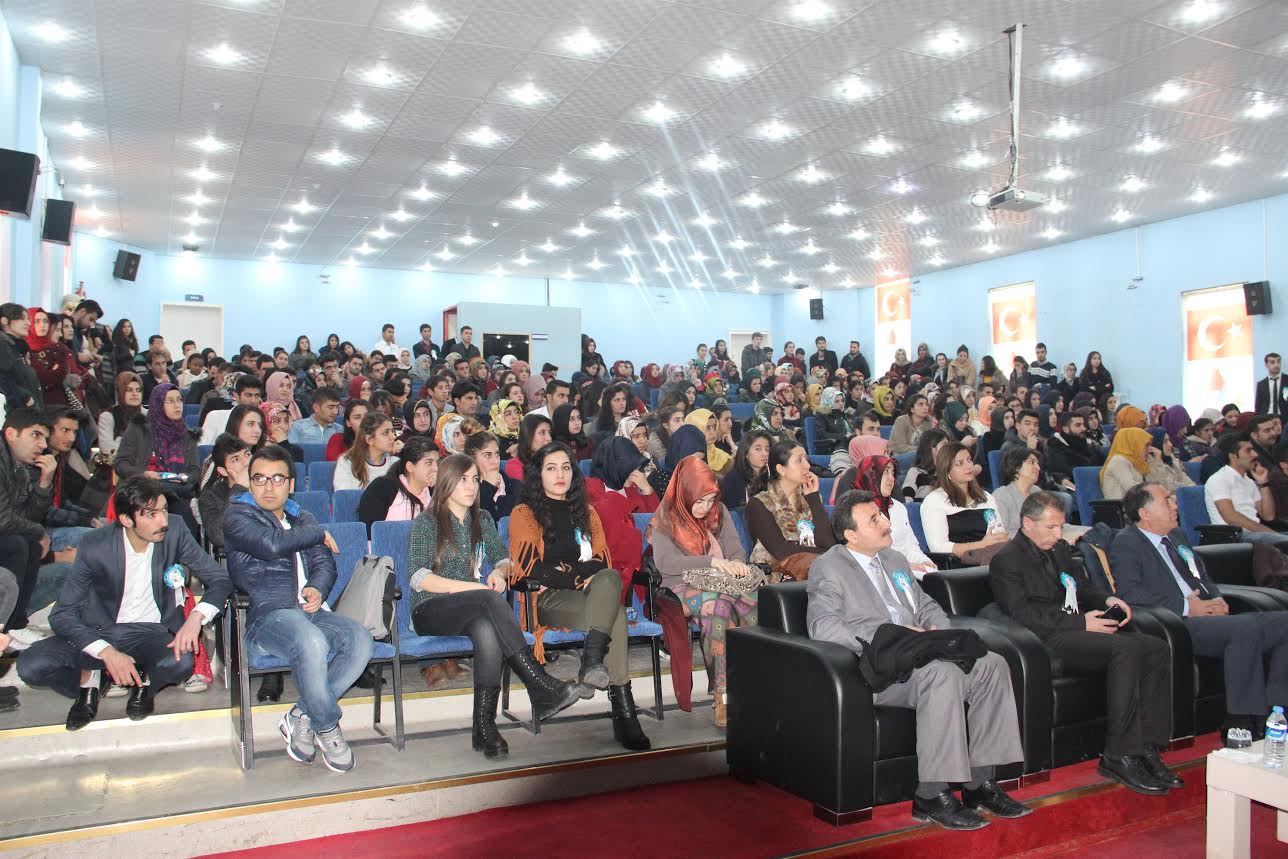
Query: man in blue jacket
{"points": [[284, 560]]}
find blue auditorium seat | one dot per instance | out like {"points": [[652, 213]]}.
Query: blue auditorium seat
{"points": [[313, 452], [344, 506], [321, 476], [885, 432], [811, 426], [906, 461], [995, 469], [317, 503], [1086, 480], [914, 521]]}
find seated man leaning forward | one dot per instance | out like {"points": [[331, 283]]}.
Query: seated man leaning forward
{"points": [[120, 615], [856, 588], [285, 561]]}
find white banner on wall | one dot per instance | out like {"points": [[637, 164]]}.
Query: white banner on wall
{"points": [[1013, 321], [894, 324], [1218, 349]]}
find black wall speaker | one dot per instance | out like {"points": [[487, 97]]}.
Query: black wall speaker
{"points": [[18, 172], [816, 308], [59, 215], [1256, 298], [127, 266]]}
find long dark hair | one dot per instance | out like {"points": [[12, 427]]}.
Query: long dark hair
{"points": [[298, 350], [527, 430], [329, 338], [1088, 371], [926, 449], [225, 446], [779, 454], [130, 341], [604, 419], [756, 481], [664, 415], [357, 454], [413, 451], [352, 404], [238, 414], [974, 493], [533, 494], [451, 470], [987, 366]]}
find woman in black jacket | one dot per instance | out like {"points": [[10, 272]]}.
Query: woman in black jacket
{"points": [[125, 345], [1095, 377], [402, 493], [160, 445]]}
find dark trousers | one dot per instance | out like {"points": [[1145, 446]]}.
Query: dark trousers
{"points": [[56, 663], [1138, 683], [21, 557], [1243, 641], [485, 617]]}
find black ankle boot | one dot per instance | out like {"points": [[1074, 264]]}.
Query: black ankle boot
{"points": [[593, 673], [270, 688], [626, 725], [486, 738], [548, 695]]}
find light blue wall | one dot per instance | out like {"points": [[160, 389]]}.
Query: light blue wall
{"points": [[847, 315], [8, 140], [1084, 301]]}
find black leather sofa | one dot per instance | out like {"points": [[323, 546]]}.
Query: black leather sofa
{"points": [[801, 717]]}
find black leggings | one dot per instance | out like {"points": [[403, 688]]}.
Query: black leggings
{"points": [[485, 617]]}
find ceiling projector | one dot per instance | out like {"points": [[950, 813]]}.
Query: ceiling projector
{"points": [[1010, 199]]}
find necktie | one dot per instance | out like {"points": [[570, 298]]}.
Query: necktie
{"points": [[1182, 568], [887, 593]]}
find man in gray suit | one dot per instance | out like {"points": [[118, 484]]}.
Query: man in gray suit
{"points": [[859, 586]]}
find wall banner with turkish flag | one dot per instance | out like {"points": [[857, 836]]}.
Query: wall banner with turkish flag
{"points": [[1013, 323], [1218, 365], [894, 324]]}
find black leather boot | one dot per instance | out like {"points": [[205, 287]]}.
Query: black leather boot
{"points": [[548, 695], [485, 737], [270, 688], [626, 724], [593, 673]]}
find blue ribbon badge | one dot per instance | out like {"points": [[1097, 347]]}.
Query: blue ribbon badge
{"points": [[1067, 581], [903, 582], [175, 576]]}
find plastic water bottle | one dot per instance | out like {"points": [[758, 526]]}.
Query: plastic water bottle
{"points": [[1276, 732]]}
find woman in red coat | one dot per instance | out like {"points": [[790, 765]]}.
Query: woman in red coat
{"points": [[54, 363]]}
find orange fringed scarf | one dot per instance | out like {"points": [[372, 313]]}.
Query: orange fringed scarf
{"points": [[528, 546]]}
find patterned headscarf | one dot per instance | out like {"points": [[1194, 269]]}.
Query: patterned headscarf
{"points": [[764, 411], [868, 477], [692, 480], [498, 427], [447, 426], [169, 437], [274, 391]]}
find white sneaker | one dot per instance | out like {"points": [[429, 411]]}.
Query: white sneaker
{"points": [[196, 684], [115, 691], [336, 753], [21, 639]]}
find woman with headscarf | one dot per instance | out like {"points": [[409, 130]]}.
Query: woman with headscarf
{"points": [[418, 420], [534, 393], [785, 395], [360, 388], [687, 440], [113, 422], [691, 531], [831, 430], [54, 364], [884, 405], [1166, 467], [1128, 415], [651, 376], [160, 445], [768, 417], [636, 431], [448, 435], [277, 428], [705, 420], [1175, 421], [880, 475], [568, 428], [924, 365], [860, 448], [280, 389], [505, 426], [421, 371], [1200, 441], [617, 489], [1131, 461], [982, 422], [900, 366]]}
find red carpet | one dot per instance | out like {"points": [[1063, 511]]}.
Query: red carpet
{"points": [[723, 817]]}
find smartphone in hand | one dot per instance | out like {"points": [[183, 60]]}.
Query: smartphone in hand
{"points": [[1115, 613]]}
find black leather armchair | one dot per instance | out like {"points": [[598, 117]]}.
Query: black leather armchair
{"points": [[802, 718]]}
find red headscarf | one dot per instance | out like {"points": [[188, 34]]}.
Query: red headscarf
{"points": [[868, 477], [691, 480], [652, 375], [355, 387], [38, 344]]}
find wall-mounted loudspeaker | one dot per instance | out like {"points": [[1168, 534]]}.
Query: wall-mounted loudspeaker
{"points": [[18, 172], [816, 308], [59, 215], [127, 266], [1256, 297]]}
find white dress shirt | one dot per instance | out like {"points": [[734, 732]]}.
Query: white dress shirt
{"points": [[877, 576], [1157, 541]]}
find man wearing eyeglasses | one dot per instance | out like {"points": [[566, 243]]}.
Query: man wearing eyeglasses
{"points": [[285, 561]]}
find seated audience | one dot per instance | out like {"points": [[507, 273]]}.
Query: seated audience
{"points": [[705, 420], [1264, 431], [535, 432], [249, 392], [1069, 449], [618, 489], [498, 491], [557, 544], [1095, 378], [688, 440], [879, 475], [319, 426], [402, 493], [832, 431], [277, 429], [883, 406], [567, 429], [113, 422], [860, 448], [1131, 460], [957, 423], [859, 586], [229, 475], [69, 518], [136, 634], [371, 456], [786, 520], [355, 411], [26, 491], [458, 568], [505, 419], [693, 533], [162, 447], [1039, 581], [1239, 492], [958, 516], [750, 472], [285, 561], [921, 477]]}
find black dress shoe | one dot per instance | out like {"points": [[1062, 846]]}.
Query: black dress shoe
{"points": [[990, 797], [1161, 772], [270, 689], [368, 679], [140, 703], [85, 709], [1130, 772], [947, 811]]}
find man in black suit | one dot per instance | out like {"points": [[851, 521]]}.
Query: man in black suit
{"points": [[1272, 393], [1039, 581], [823, 357], [121, 609], [1153, 565]]}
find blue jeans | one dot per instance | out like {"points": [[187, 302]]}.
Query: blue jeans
{"points": [[326, 653], [1262, 537], [66, 536]]}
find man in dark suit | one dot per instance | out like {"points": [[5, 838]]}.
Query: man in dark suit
{"points": [[1039, 581], [1272, 393], [1153, 565], [823, 357], [121, 608], [463, 344]]}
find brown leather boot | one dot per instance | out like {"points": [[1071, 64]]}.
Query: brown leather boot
{"points": [[722, 716], [454, 670], [434, 676]]}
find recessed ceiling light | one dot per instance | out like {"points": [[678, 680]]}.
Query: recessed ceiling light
{"points": [[1120, 215], [290, 226], [365, 248], [1149, 144], [209, 144], [902, 186], [88, 190], [194, 219], [418, 17], [985, 225], [937, 260], [754, 287], [68, 88], [484, 135], [1051, 233], [830, 268], [776, 130], [452, 167], [877, 254], [810, 10], [811, 175], [402, 215], [626, 252], [853, 88], [1132, 184], [380, 233], [596, 264], [615, 212], [351, 262], [879, 146], [1058, 173], [49, 31], [304, 206], [809, 248], [730, 274], [1171, 92], [1056, 206], [965, 111], [102, 232], [523, 260], [379, 75], [582, 43], [80, 162], [468, 239], [946, 42], [838, 209], [928, 241], [191, 238], [974, 159], [702, 219], [916, 216], [695, 283], [203, 174], [1063, 129], [711, 162], [76, 128], [752, 200], [527, 94], [1201, 195], [272, 257], [1226, 158], [785, 228], [333, 156], [791, 276], [426, 266], [549, 246], [197, 198], [858, 234], [634, 278], [738, 243], [567, 273], [663, 237], [446, 254], [664, 268], [698, 256], [356, 119], [1260, 108], [497, 270], [990, 248], [422, 193], [766, 261], [658, 112], [1200, 11], [726, 66], [1068, 67], [94, 211], [659, 188], [560, 179], [524, 203], [280, 244], [223, 54], [603, 150], [581, 231]]}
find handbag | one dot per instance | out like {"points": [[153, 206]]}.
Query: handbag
{"points": [[733, 584], [796, 565]]}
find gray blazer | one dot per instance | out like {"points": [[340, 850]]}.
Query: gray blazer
{"points": [[843, 604]]}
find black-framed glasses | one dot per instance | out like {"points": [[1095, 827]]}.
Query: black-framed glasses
{"points": [[265, 479]]}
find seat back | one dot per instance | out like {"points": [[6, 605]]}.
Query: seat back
{"points": [[1194, 468], [313, 452], [344, 505], [963, 591], [392, 539], [811, 427], [995, 468], [1191, 508], [1228, 563], [203, 452], [321, 476], [301, 477], [1086, 480], [905, 461], [885, 432], [825, 487], [641, 525], [191, 419], [351, 537], [317, 503], [584, 465], [914, 522], [742, 411], [740, 523], [783, 607]]}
